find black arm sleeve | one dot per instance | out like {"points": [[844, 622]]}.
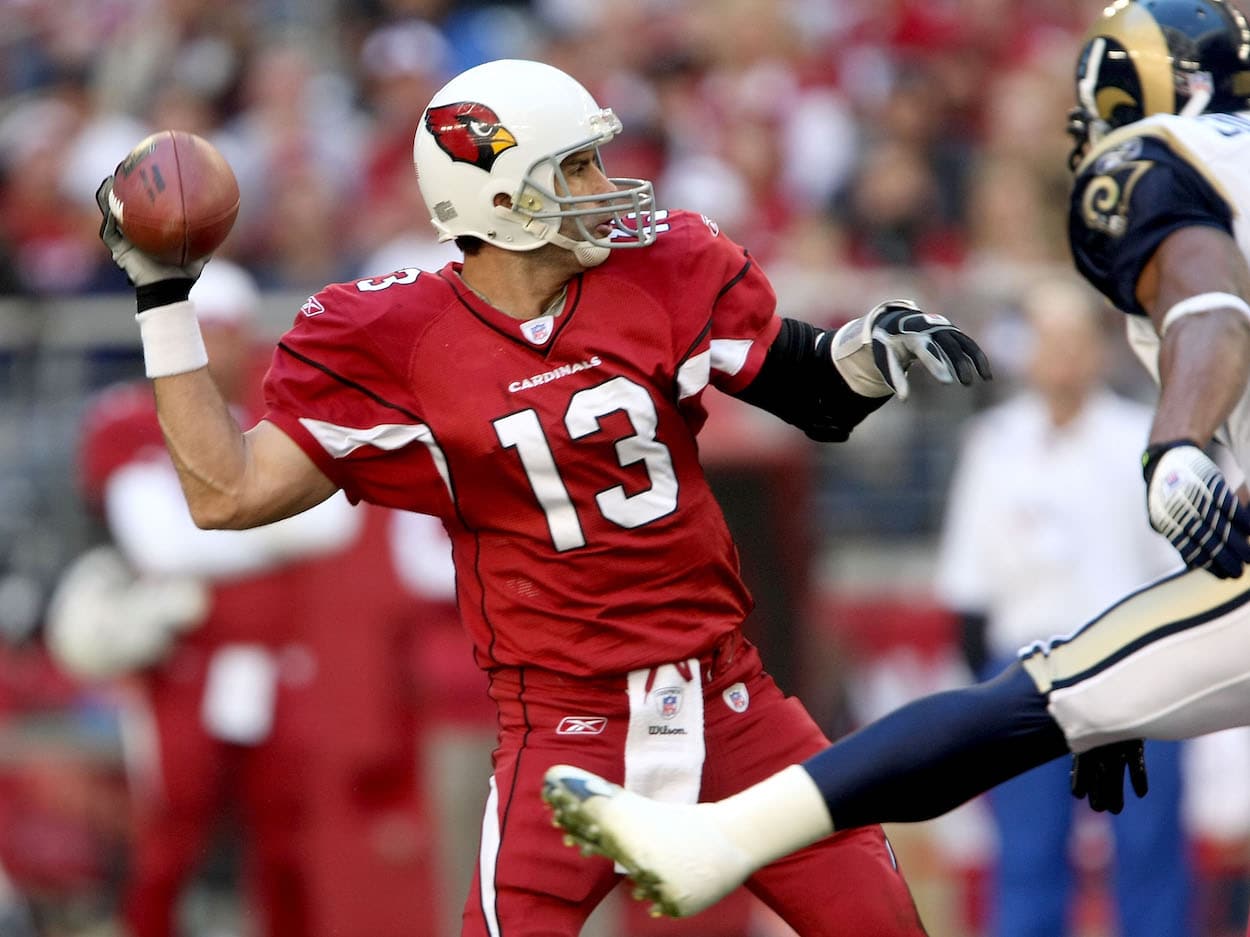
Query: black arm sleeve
{"points": [[799, 383]]}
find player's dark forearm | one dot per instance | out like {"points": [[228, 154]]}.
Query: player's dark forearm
{"points": [[935, 753], [1204, 364]]}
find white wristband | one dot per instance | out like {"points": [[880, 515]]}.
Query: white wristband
{"points": [[1203, 302], [172, 343]]}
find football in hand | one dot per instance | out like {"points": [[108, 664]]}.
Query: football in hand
{"points": [[175, 197]]}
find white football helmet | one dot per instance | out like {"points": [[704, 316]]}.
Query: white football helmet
{"points": [[503, 128]]}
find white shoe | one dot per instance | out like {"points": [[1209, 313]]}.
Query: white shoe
{"points": [[676, 855]]}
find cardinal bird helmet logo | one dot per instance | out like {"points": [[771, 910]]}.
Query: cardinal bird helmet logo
{"points": [[469, 132]]}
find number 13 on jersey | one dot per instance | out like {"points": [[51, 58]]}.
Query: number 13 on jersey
{"points": [[523, 432]]}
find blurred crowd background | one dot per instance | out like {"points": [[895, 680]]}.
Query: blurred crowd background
{"points": [[860, 149]]}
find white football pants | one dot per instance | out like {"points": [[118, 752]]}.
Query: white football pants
{"points": [[1169, 661]]}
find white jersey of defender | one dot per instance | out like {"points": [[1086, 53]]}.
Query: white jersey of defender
{"points": [[1218, 147]]}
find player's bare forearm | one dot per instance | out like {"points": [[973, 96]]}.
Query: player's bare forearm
{"points": [[1204, 358], [232, 479], [1204, 364]]}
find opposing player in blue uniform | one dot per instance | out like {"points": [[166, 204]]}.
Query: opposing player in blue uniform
{"points": [[1160, 224]]}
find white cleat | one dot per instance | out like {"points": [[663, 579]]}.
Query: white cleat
{"points": [[676, 855]]}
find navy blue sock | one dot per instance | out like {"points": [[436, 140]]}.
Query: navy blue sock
{"points": [[935, 753]]}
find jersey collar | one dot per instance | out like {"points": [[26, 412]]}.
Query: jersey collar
{"points": [[538, 334]]}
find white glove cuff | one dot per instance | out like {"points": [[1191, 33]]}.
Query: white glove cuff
{"points": [[852, 356], [172, 343]]}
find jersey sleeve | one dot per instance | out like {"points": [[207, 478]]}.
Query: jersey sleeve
{"points": [[743, 319], [1125, 202], [335, 386]]}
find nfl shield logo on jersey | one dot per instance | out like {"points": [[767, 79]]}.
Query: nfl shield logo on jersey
{"points": [[737, 698], [668, 701], [537, 330]]}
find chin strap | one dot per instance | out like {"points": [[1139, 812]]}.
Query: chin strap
{"points": [[1201, 88], [587, 254]]}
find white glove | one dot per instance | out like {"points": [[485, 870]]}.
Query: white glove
{"points": [[141, 269], [1192, 505], [103, 622], [873, 352]]}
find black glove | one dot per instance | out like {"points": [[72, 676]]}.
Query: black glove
{"points": [[901, 334], [1098, 774]]}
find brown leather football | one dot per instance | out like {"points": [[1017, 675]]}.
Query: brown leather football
{"points": [[175, 197]]}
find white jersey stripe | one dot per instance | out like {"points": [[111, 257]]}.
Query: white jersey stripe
{"points": [[341, 441], [694, 374], [729, 355]]}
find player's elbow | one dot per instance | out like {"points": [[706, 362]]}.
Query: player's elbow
{"points": [[226, 510], [212, 517], [218, 512]]}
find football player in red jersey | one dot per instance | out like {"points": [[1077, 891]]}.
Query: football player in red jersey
{"points": [[543, 398]]}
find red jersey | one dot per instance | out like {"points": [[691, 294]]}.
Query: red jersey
{"points": [[559, 452]]}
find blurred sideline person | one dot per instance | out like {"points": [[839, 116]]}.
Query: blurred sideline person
{"points": [[1043, 523], [237, 670], [1158, 224], [543, 398]]}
